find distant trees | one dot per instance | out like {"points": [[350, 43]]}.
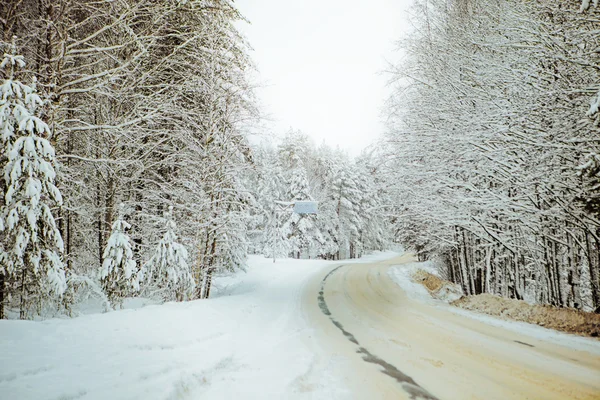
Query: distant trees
{"points": [[300, 231], [347, 224], [494, 144]]}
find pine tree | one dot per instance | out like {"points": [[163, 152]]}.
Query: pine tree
{"points": [[31, 268], [168, 269], [119, 274]]}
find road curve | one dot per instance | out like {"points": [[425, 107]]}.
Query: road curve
{"points": [[387, 346]]}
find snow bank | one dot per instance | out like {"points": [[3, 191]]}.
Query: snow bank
{"points": [[407, 276], [563, 339], [248, 342], [403, 277]]}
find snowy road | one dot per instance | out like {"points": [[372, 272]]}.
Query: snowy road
{"points": [[270, 334], [392, 347]]}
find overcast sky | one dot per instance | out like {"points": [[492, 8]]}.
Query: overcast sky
{"points": [[320, 63]]}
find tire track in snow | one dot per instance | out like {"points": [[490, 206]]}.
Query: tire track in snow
{"points": [[412, 388]]}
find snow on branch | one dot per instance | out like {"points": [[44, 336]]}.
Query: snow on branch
{"points": [[594, 105], [31, 244], [585, 5]]}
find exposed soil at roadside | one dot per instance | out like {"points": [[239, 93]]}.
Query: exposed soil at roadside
{"points": [[561, 319], [433, 283]]}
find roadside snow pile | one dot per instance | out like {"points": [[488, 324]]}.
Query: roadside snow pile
{"points": [[403, 276], [421, 280], [562, 319], [439, 288]]}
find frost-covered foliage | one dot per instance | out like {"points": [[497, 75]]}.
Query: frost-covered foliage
{"points": [[493, 146], [301, 232], [589, 173], [167, 272], [32, 275], [585, 5], [594, 105], [119, 273], [148, 102], [349, 220]]}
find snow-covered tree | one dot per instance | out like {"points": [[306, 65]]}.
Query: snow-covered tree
{"points": [[149, 99], [302, 232], [490, 158], [266, 180], [31, 269], [346, 197], [168, 271], [349, 220], [119, 274]]}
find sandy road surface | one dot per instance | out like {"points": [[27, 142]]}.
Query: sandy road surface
{"points": [[388, 346]]}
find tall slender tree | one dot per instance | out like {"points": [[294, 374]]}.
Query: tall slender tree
{"points": [[32, 274]]}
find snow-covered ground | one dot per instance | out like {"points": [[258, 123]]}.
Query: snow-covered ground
{"points": [[249, 341], [402, 275]]}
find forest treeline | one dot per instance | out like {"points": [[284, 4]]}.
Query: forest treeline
{"points": [[126, 165], [494, 146], [350, 197]]}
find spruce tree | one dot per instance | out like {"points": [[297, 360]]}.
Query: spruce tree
{"points": [[119, 274], [31, 270], [168, 269]]}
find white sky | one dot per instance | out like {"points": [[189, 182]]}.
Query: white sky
{"points": [[320, 64]]}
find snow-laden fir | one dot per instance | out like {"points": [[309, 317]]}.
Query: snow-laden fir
{"points": [[31, 269], [167, 271], [119, 274]]}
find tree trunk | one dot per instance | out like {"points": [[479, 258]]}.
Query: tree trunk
{"points": [[488, 267], [467, 278], [207, 283], [22, 305], [2, 291], [557, 276], [593, 253], [549, 273]]}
